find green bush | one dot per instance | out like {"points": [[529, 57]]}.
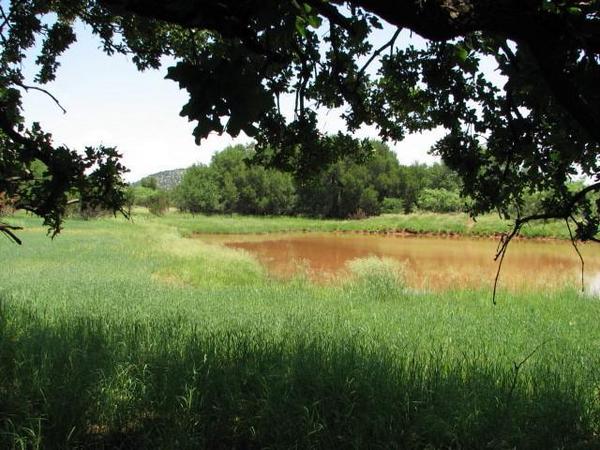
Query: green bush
{"points": [[441, 201], [199, 191], [368, 202], [158, 203], [140, 195], [377, 274], [392, 205], [149, 183]]}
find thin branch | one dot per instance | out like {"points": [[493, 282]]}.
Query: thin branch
{"points": [[6, 19], [3, 38], [36, 88], [7, 230], [509, 54], [582, 193], [498, 275], [578, 254], [378, 52], [517, 367], [501, 253], [505, 239], [564, 214], [347, 94]]}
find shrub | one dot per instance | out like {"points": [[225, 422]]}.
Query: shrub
{"points": [[129, 197], [149, 183], [441, 201], [392, 205], [140, 195], [158, 203], [199, 191], [369, 203], [381, 274]]}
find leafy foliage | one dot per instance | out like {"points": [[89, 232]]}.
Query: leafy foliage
{"points": [[441, 200], [158, 203], [199, 191], [233, 184], [149, 183], [230, 184], [237, 59]]}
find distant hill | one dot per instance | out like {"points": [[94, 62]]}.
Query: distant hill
{"points": [[167, 179]]}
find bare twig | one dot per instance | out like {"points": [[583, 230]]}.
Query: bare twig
{"points": [[564, 214], [36, 88], [517, 367], [378, 52], [5, 17], [3, 38], [501, 252], [578, 253], [503, 246]]}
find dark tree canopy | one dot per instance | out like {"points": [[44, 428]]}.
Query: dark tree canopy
{"points": [[237, 58]]}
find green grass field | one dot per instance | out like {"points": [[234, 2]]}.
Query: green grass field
{"points": [[130, 335], [419, 223]]}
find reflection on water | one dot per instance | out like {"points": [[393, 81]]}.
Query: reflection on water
{"points": [[432, 262]]}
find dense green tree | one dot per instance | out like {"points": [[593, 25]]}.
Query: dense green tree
{"points": [[236, 185], [158, 202], [230, 167], [199, 191], [344, 187], [392, 205], [414, 180], [417, 177], [149, 183], [236, 59], [139, 194], [232, 183], [441, 201], [249, 188]]}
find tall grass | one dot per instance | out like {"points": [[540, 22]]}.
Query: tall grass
{"points": [[119, 335]]}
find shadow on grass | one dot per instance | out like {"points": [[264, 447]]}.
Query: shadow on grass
{"points": [[86, 383]]}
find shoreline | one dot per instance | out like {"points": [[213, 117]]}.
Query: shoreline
{"points": [[400, 232]]}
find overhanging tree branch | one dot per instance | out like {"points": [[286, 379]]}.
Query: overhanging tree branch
{"points": [[572, 237], [7, 230], [378, 52], [564, 214], [44, 91]]}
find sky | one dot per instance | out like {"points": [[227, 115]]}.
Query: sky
{"points": [[109, 102]]}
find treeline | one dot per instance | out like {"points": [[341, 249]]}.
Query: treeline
{"points": [[230, 184]]}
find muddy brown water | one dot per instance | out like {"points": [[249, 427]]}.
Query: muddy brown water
{"points": [[432, 263]]}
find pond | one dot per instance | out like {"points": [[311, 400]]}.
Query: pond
{"points": [[431, 263]]}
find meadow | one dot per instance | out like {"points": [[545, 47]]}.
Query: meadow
{"points": [[416, 223], [124, 334]]}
